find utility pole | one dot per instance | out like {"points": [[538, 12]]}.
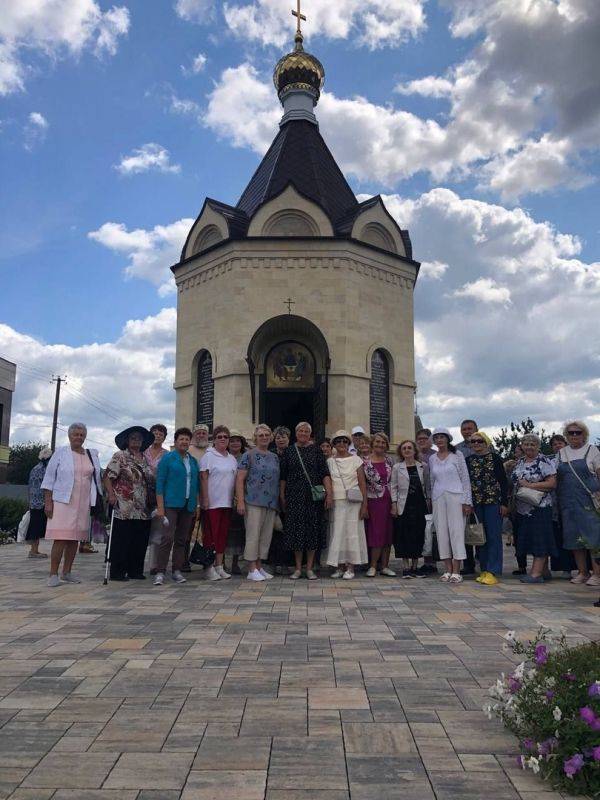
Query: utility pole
{"points": [[57, 380]]}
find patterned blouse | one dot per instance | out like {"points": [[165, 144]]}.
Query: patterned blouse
{"points": [[484, 484], [534, 472], [133, 481], [375, 485], [262, 479], [36, 493]]}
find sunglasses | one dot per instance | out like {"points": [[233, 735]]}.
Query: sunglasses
{"points": [[222, 436], [574, 433], [477, 441]]}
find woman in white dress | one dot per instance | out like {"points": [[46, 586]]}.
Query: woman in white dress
{"points": [[347, 540]]}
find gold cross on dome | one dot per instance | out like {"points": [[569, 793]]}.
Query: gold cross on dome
{"points": [[299, 16], [289, 303]]}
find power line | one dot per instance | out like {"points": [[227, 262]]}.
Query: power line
{"points": [[87, 439], [79, 395]]}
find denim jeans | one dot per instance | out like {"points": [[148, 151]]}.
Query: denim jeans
{"points": [[490, 554]]}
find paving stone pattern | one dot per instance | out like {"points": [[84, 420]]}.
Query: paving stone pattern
{"points": [[336, 690]]}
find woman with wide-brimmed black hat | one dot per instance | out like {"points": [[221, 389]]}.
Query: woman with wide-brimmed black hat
{"points": [[128, 480]]}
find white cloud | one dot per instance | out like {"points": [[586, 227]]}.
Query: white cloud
{"points": [[430, 86], [123, 382], [374, 23], [150, 253], [485, 290], [55, 28], [195, 10], [148, 157], [183, 106], [34, 130], [198, 65], [433, 270]]}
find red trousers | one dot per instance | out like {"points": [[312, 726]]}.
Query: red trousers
{"points": [[216, 527]]}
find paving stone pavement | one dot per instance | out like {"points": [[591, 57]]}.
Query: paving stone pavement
{"points": [[337, 690]]}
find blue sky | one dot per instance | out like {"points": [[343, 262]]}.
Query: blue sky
{"points": [[493, 168]]}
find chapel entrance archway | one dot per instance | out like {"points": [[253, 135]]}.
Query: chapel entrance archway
{"points": [[288, 365]]}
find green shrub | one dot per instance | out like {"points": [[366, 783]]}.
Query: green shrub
{"points": [[11, 512], [551, 702]]}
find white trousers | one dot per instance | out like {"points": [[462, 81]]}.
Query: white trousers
{"points": [[449, 522], [259, 531]]}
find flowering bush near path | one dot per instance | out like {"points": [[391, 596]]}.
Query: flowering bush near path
{"points": [[551, 702]]}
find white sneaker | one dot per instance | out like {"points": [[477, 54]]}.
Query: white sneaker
{"points": [[178, 577], [296, 574], [211, 574], [445, 577], [310, 575], [348, 575], [593, 580], [67, 577], [371, 572], [337, 574], [159, 579], [256, 575], [455, 578], [266, 575], [220, 571], [389, 572], [53, 581]]}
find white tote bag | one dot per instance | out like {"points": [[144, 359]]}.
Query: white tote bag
{"points": [[428, 543], [23, 527]]}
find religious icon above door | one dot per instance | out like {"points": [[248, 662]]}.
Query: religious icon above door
{"points": [[290, 365]]}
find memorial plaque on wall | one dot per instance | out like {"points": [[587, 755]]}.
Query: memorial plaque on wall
{"points": [[206, 392], [379, 394]]}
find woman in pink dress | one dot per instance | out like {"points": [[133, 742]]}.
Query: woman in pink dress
{"points": [[70, 488], [379, 525]]}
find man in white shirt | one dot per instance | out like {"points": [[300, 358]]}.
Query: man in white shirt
{"points": [[358, 433]]}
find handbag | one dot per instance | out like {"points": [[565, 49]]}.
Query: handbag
{"points": [[316, 492], [204, 556], [474, 532], [97, 510], [594, 496], [428, 541], [532, 497], [353, 494]]}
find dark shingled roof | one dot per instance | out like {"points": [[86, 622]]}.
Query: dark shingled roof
{"points": [[300, 156]]}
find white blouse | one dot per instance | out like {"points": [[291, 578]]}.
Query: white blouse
{"points": [[450, 475]]}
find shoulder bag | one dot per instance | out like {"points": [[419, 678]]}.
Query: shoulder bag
{"points": [[594, 496], [97, 510], [474, 532], [532, 497], [353, 494], [317, 492]]}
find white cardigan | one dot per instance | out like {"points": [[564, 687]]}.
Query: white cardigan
{"points": [[400, 482], [450, 475], [60, 475]]}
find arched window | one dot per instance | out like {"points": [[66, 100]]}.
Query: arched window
{"points": [[205, 390], [379, 393]]}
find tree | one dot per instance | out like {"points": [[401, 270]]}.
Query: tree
{"points": [[22, 459], [510, 437]]}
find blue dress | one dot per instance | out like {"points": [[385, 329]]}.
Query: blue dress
{"points": [[581, 522]]}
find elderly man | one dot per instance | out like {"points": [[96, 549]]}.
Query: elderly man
{"points": [[200, 443], [358, 433], [424, 442]]}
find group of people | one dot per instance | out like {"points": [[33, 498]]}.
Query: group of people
{"points": [[342, 502]]}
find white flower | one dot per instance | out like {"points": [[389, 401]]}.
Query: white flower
{"points": [[510, 636], [520, 670], [557, 714], [534, 764], [550, 682]]}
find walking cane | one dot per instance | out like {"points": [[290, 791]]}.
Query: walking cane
{"points": [[108, 546]]}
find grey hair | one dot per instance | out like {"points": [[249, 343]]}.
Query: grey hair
{"points": [[580, 424], [262, 427], [281, 430], [77, 426], [531, 437], [303, 425]]}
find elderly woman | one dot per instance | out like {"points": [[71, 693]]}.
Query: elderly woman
{"points": [[534, 478], [236, 536], [257, 500], [129, 480], [153, 455], [302, 469], [36, 529], [451, 499], [218, 469], [378, 525], [565, 561], [578, 468], [364, 447], [410, 492], [489, 489], [347, 541], [177, 504], [71, 487], [281, 440]]}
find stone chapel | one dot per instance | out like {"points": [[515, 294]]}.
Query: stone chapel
{"points": [[297, 302]]}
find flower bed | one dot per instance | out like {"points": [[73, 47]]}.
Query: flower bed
{"points": [[551, 702]]}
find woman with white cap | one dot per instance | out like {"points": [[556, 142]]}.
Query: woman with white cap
{"points": [[452, 502], [347, 540], [36, 529]]}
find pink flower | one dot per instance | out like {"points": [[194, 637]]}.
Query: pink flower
{"points": [[549, 694], [594, 689], [572, 765], [541, 654], [596, 753], [595, 725], [587, 715], [568, 676], [513, 685], [528, 744]]}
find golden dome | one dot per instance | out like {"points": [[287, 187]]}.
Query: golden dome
{"points": [[298, 70]]}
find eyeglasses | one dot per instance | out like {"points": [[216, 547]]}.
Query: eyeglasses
{"points": [[574, 433], [477, 441], [222, 436]]}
